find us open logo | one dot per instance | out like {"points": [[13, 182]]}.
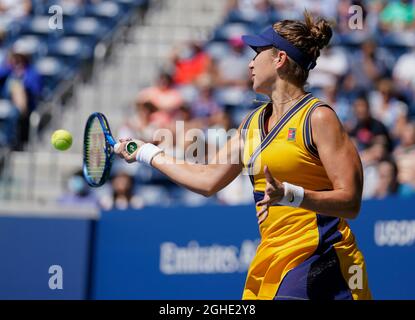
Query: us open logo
{"points": [[291, 134]]}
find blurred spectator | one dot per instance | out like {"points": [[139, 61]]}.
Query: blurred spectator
{"points": [[189, 63], [340, 104], [15, 8], [12, 10], [253, 11], [21, 84], [122, 196], [348, 88], [144, 121], [78, 193], [375, 7], [407, 141], [386, 108], [292, 9], [325, 8], [397, 15], [404, 75], [3, 50], [164, 96], [387, 183], [205, 105], [9, 121], [205, 111], [404, 70], [369, 65], [140, 124], [370, 135], [232, 69], [331, 66], [286, 9], [13, 87], [74, 7], [343, 16], [405, 158], [231, 74]]}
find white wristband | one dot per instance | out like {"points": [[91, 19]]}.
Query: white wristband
{"points": [[293, 195], [147, 152]]}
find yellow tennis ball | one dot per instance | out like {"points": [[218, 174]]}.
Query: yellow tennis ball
{"points": [[61, 140]]}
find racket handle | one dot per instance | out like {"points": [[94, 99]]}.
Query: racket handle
{"points": [[130, 147]]}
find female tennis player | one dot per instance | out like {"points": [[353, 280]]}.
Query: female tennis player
{"points": [[306, 174]]}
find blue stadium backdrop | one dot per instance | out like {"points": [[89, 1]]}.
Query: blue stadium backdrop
{"points": [[180, 253]]}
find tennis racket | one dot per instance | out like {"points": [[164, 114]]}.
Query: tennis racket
{"points": [[99, 146]]}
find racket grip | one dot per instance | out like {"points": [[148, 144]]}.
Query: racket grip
{"points": [[130, 147]]}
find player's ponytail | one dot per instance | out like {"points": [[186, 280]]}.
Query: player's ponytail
{"points": [[320, 31]]}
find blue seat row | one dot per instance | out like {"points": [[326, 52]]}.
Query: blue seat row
{"points": [[60, 47]]}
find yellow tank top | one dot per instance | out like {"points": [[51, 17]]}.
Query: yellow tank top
{"points": [[290, 236]]}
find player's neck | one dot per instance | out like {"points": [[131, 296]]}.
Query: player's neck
{"points": [[283, 97]]}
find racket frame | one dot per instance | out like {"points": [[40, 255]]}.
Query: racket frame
{"points": [[109, 149]]}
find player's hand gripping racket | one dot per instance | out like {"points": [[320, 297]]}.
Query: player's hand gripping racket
{"points": [[99, 146]]}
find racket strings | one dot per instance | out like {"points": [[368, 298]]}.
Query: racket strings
{"points": [[95, 151]]}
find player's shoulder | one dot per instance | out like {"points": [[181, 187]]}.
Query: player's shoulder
{"points": [[322, 111], [324, 119]]}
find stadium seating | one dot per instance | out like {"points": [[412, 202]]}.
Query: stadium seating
{"points": [[61, 54]]}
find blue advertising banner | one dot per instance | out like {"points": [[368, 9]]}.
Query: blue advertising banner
{"points": [[385, 232], [204, 253], [174, 253], [179, 253], [44, 258]]}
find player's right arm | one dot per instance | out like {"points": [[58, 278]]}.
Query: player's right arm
{"points": [[205, 179]]}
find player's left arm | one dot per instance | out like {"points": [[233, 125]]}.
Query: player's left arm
{"points": [[342, 164], [343, 167]]}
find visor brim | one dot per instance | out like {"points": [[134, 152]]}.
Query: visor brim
{"points": [[256, 41]]}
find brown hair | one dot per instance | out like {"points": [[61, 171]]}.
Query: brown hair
{"points": [[309, 36]]}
